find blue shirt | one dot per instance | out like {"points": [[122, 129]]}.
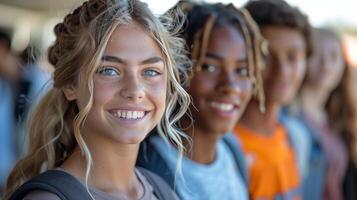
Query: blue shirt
{"points": [[215, 181], [312, 161], [7, 131]]}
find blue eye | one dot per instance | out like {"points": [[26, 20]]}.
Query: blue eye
{"points": [[108, 71], [151, 72]]}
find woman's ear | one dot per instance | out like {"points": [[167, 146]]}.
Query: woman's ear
{"points": [[70, 92]]}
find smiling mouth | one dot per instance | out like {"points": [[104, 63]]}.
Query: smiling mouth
{"points": [[127, 114], [225, 107]]}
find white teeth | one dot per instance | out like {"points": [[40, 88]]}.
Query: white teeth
{"points": [[129, 114], [222, 106]]}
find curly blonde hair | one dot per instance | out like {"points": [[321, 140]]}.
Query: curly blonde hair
{"points": [[55, 125]]}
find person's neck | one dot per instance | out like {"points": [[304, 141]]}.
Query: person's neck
{"points": [[261, 123], [313, 102], [204, 145], [113, 169]]}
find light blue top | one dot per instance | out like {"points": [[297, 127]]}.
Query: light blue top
{"points": [[311, 159], [216, 181], [7, 126], [300, 138]]}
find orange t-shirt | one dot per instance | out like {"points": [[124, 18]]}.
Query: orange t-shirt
{"points": [[271, 162]]}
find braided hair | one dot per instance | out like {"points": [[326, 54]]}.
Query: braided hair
{"points": [[203, 18], [55, 124]]}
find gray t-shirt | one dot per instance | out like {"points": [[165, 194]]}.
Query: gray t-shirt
{"points": [[97, 194], [216, 181]]}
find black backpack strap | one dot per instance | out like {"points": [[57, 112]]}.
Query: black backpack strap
{"points": [[58, 182], [233, 145], [161, 189]]}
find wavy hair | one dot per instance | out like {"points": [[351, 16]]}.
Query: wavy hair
{"points": [[55, 124]]}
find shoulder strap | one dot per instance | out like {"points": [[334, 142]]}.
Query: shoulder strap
{"points": [[161, 189], [65, 186], [150, 159], [233, 145]]}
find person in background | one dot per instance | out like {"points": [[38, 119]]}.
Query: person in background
{"points": [[348, 131], [225, 47], [7, 118], [328, 109], [271, 156], [34, 81], [312, 160], [9, 67], [21, 83]]}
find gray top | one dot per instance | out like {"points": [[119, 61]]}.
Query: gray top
{"points": [[97, 194], [215, 181]]}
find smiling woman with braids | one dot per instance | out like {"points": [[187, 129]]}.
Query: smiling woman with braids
{"points": [[226, 49], [116, 77]]}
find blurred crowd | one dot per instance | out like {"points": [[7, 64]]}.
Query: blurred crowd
{"points": [[22, 81]]}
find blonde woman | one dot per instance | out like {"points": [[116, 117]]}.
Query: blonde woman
{"points": [[116, 77]]}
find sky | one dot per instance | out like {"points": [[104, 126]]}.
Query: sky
{"points": [[320, 12]]}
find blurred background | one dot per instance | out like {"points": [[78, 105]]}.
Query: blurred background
{"points": [[30, 22]]}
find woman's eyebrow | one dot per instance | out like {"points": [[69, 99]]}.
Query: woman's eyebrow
{"points": [[217, 57], [116, 59], [152, 60], [113, 59]]}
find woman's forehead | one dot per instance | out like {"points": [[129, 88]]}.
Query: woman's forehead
{"points": [[132, 42]]}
